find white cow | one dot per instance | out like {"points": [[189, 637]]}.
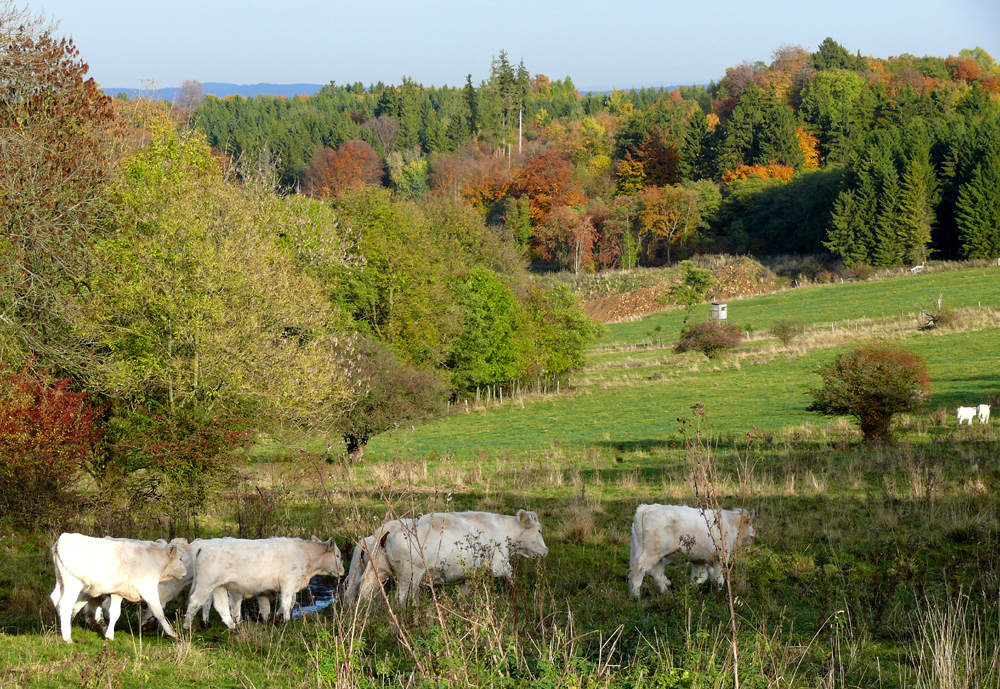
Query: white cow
{"points": [[98, 608], [89, 567], [983, 411], [254, 567], [966, 414], [369, 565], [451, 545], [660, 533]]}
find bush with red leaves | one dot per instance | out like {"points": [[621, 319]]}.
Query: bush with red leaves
{"points": [[711, 338], [47, 432], [872, 383]]}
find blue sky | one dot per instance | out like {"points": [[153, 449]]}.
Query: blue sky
{"points": [[436, 42]]}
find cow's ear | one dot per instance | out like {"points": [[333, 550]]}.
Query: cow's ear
{"points": [[172, 551], [315, 539], [527, 518]]}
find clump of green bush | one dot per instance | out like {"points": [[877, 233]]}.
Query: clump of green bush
{"points": [[787, 329], [711, 338]]}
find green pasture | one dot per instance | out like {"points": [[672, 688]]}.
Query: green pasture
{"points": [[832, 303], [642, 411]]}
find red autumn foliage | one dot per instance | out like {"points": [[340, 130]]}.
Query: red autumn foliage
{"points": [[965, 70], [354, 164], [547, 180], [47, 432]]}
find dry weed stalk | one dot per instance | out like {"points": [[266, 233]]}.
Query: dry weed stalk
{"points": [[701, 458]]}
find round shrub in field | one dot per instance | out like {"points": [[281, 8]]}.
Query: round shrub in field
{"points": [[787, 330], [872, 383], [711, 338]]}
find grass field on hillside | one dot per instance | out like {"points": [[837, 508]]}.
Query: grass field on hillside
{"points": [[833, 303]]}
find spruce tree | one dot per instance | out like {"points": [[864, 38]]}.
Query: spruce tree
{"points": [[978, 209]]}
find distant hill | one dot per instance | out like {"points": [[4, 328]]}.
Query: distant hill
{"points": [[289, 90], [222, 90]]}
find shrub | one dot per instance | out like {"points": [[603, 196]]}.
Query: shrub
{"points": [[46, 432], [787, 330], [395, 392], [872, 383], [711, 338]]}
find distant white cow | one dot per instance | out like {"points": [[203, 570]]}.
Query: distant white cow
{"points": [[451, 545], [89, 567], [660, 533], [983, 411], [966, 414], [369, 565], [254, 567]]}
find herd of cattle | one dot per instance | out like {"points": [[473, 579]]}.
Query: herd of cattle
{"points": [[969, 413], [98, 573]]}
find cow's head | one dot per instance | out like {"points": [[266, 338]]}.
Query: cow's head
{"points": [[329, 560], [175, 568], [530, 542], [746, 532]]}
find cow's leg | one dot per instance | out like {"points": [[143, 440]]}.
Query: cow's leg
{"points": [[408, 579], [699, 573], [641, 564], [658, 573], [236, 606], [220, 596], [287, 594], [151, 594], [57, 591], [71, 589], [264, 604], [114, 613], [196, 601]]}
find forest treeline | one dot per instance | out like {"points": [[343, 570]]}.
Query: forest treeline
{"points": [[873, 161]]}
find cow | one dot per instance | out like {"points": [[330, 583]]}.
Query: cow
{"points": [[98, 608], [660, 533], [253, 567], [966, 414], [451, 545], [369, 566], [88, 567], [983, 412]]}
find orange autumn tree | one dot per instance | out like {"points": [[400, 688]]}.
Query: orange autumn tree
{"points": [[671, 213], [769, 171], [546, 180], [354, 164], [809, 145]]}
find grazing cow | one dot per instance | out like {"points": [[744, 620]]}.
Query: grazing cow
{"points": [[451, 545], [369, 566], [253, 567], [983, 412], [966, 414], [97, 608], [89, 567], [660, 533]]}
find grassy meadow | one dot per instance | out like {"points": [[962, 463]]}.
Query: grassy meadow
{"points": [[872, 567]]}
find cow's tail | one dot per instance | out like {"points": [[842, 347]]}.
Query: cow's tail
{"points": [[355, 574], [637, 537], [57, 563]]}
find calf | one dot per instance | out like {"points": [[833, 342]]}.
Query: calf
{"points": [[966, 414], [660, 533], [983, 411], [252, 567], [89, 567], [451, 545], [369, 565]]}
